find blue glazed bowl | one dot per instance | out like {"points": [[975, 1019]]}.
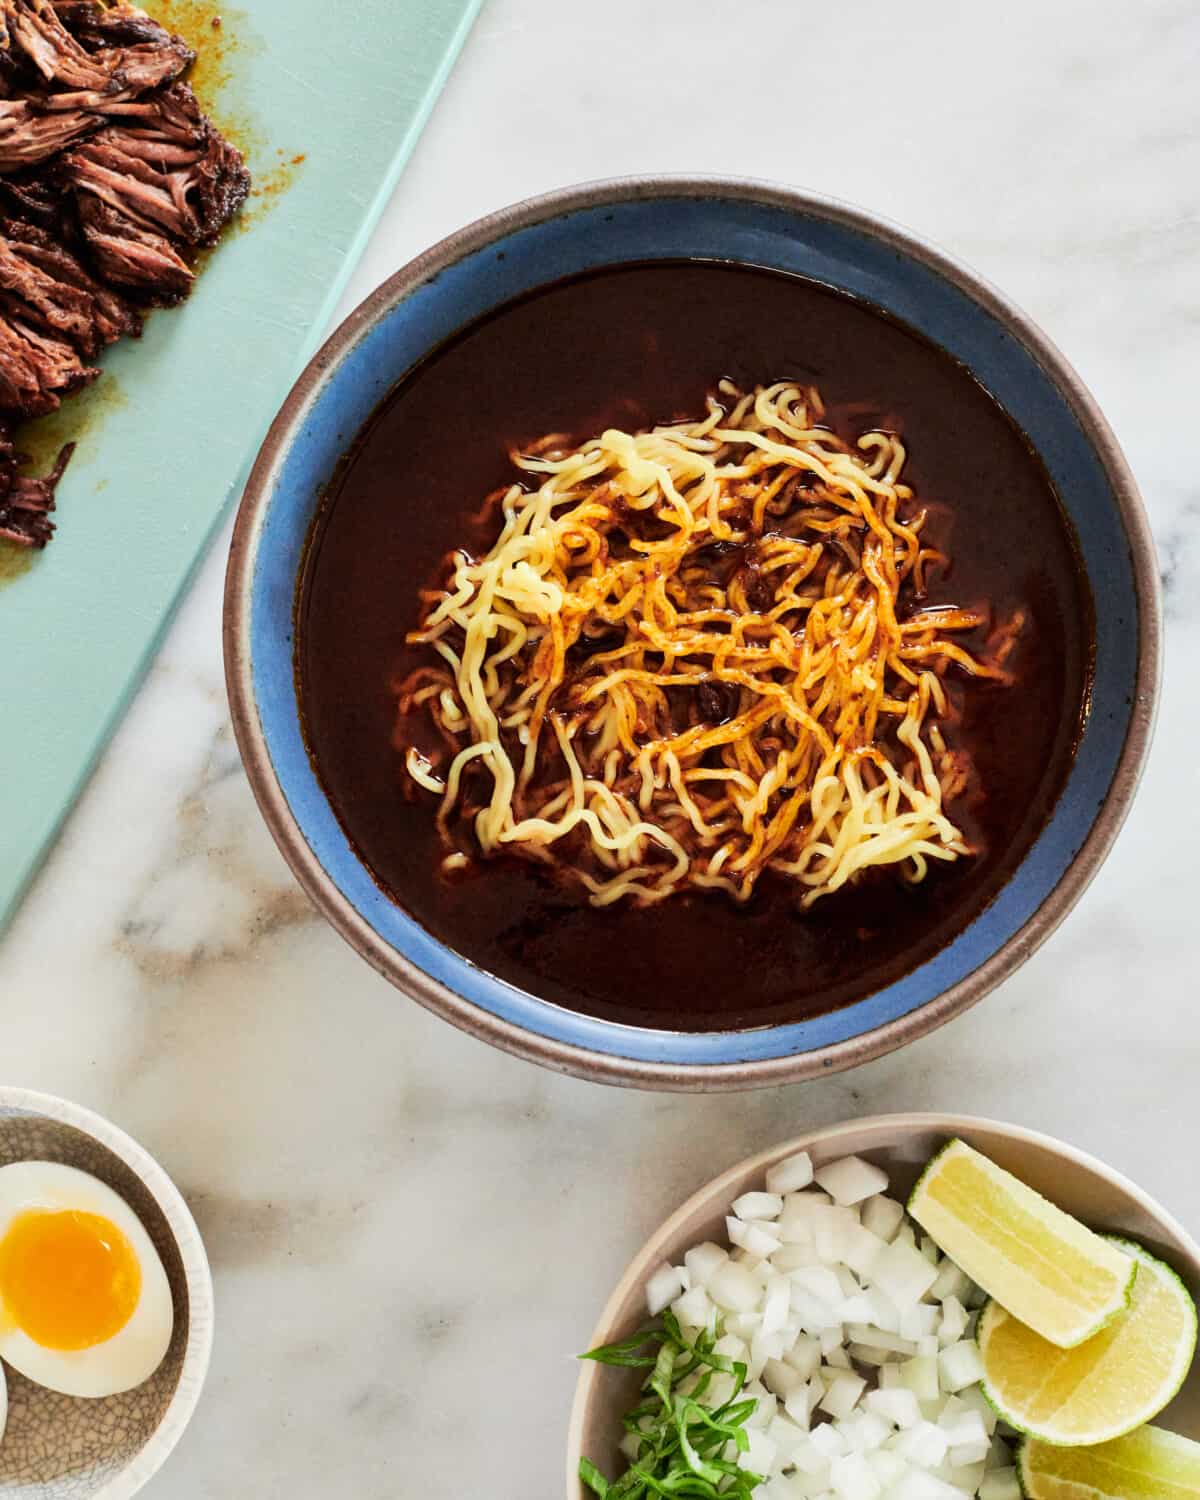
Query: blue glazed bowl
{"points": [[539, 242]]}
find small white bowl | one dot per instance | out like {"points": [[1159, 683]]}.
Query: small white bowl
{"points": [[901, 1144], [64, 1447]]}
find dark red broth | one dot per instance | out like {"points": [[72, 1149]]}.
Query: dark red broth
{"points": [[630, 347]]}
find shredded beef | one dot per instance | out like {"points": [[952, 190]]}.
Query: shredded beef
{"points": [[27, 502], [134, 256], [111, 179]]}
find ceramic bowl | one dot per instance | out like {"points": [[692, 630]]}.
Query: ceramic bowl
{"points": [[64, 1447], [901, 1144], [540, 242]]}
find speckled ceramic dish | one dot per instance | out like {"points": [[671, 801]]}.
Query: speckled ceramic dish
{"points": [[608, 224], [901, 1144], [64, 1447]]}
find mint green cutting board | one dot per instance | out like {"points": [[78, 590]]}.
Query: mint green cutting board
{"points": [[166, 435]]}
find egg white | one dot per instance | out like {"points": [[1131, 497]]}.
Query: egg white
{"points": [[134, 1352]]}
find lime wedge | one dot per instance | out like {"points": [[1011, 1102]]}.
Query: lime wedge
{"points": [[1148, 1464], [1105, 1388], [1045, 1267]]}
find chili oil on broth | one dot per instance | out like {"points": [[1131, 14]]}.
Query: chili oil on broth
{"points": [[630, 347]]}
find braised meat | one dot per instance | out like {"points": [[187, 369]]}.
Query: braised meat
{"points": [[131, 255], [43, 281], [111, 179], [27, 502], [37, 28]]}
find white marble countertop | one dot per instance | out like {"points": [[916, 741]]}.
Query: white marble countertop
{"points": [[411, 1233]]}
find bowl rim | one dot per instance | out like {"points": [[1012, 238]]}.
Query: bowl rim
{"points": [[917, 1121], [197, 1354], [573, 1057]]}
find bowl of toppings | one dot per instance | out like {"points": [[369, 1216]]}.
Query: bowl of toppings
{"points": [[106, 1307], [911, 1307], [691, 633]]}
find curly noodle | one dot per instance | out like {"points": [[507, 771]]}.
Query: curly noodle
{"points": [[696, 654]]}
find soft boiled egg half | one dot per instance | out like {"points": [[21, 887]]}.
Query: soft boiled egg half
{"points": [[85, 1306]]}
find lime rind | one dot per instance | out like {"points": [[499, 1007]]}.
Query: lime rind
{"points": [[1019, 1463], [1186, 1350], [1186, 1301], [985, 1385], [927, 1169], [1027, 1480], [1122, 1307], [1105, 1317], [1183, 1356]]}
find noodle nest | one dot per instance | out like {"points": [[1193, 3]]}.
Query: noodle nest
{"points": [[697, 654]]}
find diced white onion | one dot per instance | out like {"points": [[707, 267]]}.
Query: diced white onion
{"points": [[781, 1379], [758, 1206], [967, 1455], [799, 1405], [864, 1354], [878, 1338], [858, 1340], [922, 1444], [899, 1407], [884, 1312], [863, 1249], [662, 1288], [819, 1282], [754, 1237], [902, 1273], [694, 1308], [794, 1256], [702, 1260], [811, 1459], [851, 1478], [949, 1282], [760, 1453], [851, 1179], [919, 1320], [829, 1440], [1000, 1484], [791, 1174], [842, 1393], [959, 1366], [974, 1398], [882, 1216], [804, 1356], [918, 1485], [832, 1227], [733, 1288], [964, 1477], [920, 1375], [888, 1468], [865, 1431], [963, 1426], [744, 1325], [776, 1304], [786, 1435], [953, 1322]]}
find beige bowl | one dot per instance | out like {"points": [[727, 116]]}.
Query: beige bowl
{"points": [[901, 1144], [65, 1447]]}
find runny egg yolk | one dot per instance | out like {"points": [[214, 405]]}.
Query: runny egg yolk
{"points": [[68, 1280]]}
